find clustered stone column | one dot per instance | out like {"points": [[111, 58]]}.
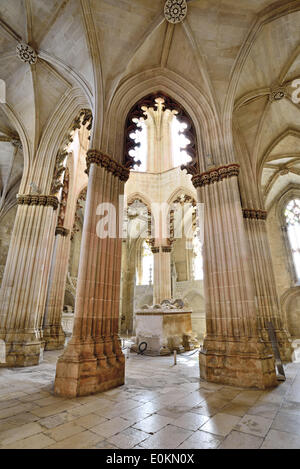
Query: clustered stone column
{"points": [[233, 352], [162, 285], [54, 335], [24, 285], [264, 282], [93, 360]]}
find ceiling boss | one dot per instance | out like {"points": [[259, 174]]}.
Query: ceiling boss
{"points": [[175, 11]]}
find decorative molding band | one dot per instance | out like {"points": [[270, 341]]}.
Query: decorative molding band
{"points": [[166, 248], [34, 199], [216, 175], [60, 230], [105, 161], [253, 214], [155, 249]]}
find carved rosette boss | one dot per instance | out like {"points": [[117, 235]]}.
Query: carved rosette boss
{"points": [[175, 11], [26, 53]]}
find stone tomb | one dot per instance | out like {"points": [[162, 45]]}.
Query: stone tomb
{"points": [[164, 327]]}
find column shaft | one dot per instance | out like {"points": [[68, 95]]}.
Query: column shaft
{"points": [[232, 352], [93, 360], [54, 335], [264, 282], [162, 274], [24, 286]]}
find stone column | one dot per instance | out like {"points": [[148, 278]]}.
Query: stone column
{"points": [[233, 352], [128, 286], [25, 280], [54, 335], [162, 289], [93, 360], [264, 282]]}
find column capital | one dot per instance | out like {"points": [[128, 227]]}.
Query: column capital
{"points": [[215, 175], [253, 214], [107, 162], [37, 199], [60, 230], [166, 248]]}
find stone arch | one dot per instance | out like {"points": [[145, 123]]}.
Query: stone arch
{"points": [[290, 192], [290, 304], [194, 102], [54, 136], [274, 143]]}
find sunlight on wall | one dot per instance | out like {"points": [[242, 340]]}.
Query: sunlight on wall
{"points": [[292, 216]]}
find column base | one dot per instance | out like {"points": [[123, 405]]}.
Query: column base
{"points": [[237, 363], [284, 344], [54, 338], [80, 372], [21, 354]]}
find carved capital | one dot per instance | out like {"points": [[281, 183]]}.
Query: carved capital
{"points": [[105, 161], [166, 248], [215, 175], [60, 230], [253, 214], [35, 199], [154, 249]]}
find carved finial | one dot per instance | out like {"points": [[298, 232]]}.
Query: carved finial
{"points": [[26, 53], [175, 11]]}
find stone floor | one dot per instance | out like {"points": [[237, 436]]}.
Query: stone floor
{"points": [[160, 406]]}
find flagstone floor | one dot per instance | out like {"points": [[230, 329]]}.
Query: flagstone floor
{"points": [[161, 406]]}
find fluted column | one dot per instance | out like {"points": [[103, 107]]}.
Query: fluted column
{"points": [[264, 282], [162, 287], [24, 286], [93, 360], [233, 352], [54, 336]]}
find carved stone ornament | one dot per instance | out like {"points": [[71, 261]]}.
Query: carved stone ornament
{"points": [[253, 214], [215, 175], [138, 111], [26, 53], [175, 11], [32, 199], [105, 161], [277, 93], [60, 230]]}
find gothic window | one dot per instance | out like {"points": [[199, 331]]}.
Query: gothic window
{"points": [[197, 258], [159, 135], [292, 218], [147, 264], [139, 152], [179, 142]]}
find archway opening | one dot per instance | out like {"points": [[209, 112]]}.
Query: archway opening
{"points": [[160, 141]]}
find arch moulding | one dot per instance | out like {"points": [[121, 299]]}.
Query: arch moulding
{"points": [[192, 100]]}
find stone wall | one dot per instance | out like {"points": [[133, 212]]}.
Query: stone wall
{"points": [[289, 293]]}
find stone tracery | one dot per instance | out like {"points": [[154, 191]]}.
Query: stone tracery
{"points": [[244, 150]]}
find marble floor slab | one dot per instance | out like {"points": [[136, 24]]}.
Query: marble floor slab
{"points": [[159, 407]]}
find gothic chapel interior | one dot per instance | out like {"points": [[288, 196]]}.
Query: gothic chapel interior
{"points": [[149, 224]]}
